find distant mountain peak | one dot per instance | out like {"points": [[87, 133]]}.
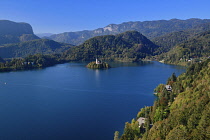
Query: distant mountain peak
{"points": [[44, 34]]}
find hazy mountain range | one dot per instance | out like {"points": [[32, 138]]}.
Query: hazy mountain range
{"points": [[150, 29], [44, 34]]}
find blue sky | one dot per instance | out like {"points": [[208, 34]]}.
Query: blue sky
{"points": [[57, 16]]}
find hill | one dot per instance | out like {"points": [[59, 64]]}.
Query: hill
{"points": [[170, 40], [194, 49], [13, 32], [150, 29], [39, 46], [180, 113], [2, 60], [128, 46]]}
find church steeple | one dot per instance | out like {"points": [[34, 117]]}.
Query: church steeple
{"points": [[97, 61]]}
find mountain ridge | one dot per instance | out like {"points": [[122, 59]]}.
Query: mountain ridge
{"points": [[170, 40], [14, 32], [150, 29]]}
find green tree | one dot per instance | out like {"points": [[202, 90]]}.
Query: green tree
{"points": [[116, 135]]}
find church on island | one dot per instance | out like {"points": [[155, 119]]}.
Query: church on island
{"points": [[98, 65], [98, 61]]}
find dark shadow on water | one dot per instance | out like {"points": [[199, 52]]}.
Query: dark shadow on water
{"points": [[129, 64]]}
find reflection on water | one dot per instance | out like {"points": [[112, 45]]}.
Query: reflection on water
{"points": [[129, 64]]}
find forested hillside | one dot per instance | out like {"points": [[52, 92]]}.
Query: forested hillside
{"points": [[170, 40], [150, 29], [39, 46], [192, 50], [181, 112], [30, 62], [128, 46]]}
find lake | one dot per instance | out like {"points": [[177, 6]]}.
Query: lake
{"points": [[71, 102]]}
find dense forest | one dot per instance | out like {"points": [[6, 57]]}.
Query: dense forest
{"points": [[128, 46], [38, 46], [31, 62], [181, 111], [170, 40], [193, 50]]}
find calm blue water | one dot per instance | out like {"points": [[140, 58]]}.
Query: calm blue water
{"points": [[71, 102]]}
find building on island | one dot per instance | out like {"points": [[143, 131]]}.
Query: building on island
{"points": [[98, 61]]}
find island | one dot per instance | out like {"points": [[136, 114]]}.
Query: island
{"points": [[98, 65]]}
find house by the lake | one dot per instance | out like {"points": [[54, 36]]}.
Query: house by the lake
{"points": [[168, 88], [141, 121]]}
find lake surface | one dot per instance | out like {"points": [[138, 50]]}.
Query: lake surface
{"points": [[72, 102]]}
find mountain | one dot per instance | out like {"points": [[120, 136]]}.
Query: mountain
{"points": [[1, 60], [41, 35], [150, 29], [13, 32], [170, 40], [194, 49], [181, 113], [127, 46], [39, 46]]}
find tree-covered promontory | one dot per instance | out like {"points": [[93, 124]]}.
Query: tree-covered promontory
{"points": [[31, 62], [182, 112]]}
